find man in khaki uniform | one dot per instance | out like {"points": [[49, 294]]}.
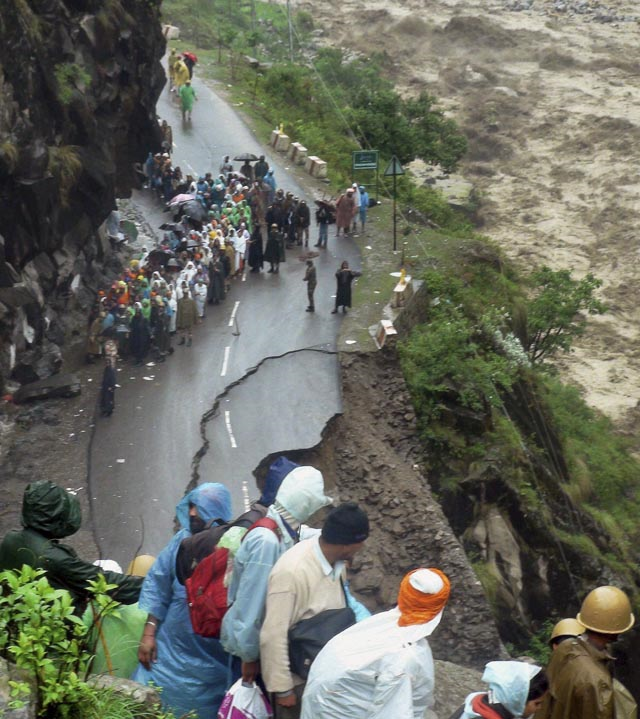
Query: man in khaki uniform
{"points": [[582, 685]]}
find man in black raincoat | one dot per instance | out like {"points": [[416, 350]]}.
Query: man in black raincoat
{"points": [[50, 513]]}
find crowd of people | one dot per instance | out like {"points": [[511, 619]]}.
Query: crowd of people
{"points": [[218, 231], [291, 624]]}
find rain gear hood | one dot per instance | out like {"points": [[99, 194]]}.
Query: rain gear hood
{"points": [[301, 493], [508, 685], [50, 510], [192, 670], [212, 500]]}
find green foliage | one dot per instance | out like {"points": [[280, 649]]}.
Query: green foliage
{"points": [[29, 22], [41, 633], [451, 357], [597, 455], [539, 648], [65, 165], [69, 79], [555, 315]]}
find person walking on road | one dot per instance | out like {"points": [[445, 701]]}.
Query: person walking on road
{"points": [[187, 98], [180, 74], [187, 315], [364, 206], [311, 279], [344, 278], [274, 251], [323, 218], [345, 211]]}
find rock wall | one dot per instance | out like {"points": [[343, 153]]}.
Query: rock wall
{"points": [[79, 80]]}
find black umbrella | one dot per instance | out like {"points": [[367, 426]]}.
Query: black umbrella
{"points": [[168, 226], [159, 257], [195, 210], [245, 156]]}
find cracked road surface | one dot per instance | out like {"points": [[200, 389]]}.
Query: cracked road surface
{"points": [[140, 459]]}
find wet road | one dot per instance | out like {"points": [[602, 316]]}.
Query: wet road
{"points": [[141, 458]]}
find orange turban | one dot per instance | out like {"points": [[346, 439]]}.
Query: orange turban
{"points": [[419, 607]]}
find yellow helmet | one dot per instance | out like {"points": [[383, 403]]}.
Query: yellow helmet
{"points": [[606, 610], [566, 628], [141, 565]]}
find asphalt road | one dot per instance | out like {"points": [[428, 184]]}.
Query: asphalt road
{"points": [[141, 458]]}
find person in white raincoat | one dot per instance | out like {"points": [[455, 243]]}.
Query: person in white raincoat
{"points": [[200, 295], [516, 689], [381, 668]]}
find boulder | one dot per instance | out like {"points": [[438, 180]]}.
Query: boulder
{"points": [[58, 386], [10, 673]]}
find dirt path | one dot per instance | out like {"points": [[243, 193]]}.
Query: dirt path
{"points": [[550, 99]]}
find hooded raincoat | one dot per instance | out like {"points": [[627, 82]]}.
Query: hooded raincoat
{"points": [[508, 685], [191, 670], [50, 513], [373, 670], [301, 494]]}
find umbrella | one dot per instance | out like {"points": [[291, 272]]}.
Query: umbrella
{"points": [[195, 210], [183, 197], [173, 263], [160, 257], [246, 156], [169, 227], [325, 203]]}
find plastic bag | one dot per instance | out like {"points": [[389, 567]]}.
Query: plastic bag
{"points": [[245, 701]]}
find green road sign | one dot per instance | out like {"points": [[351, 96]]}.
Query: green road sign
{"points": [[364, 160]]}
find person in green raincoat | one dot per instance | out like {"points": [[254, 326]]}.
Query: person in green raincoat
{"points": [[50, 513], [187, 98]]}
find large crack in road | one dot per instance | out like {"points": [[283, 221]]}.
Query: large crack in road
{"points": [[263, 433]]}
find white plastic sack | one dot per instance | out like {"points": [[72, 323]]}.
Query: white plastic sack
{"points": [[245, 701]]}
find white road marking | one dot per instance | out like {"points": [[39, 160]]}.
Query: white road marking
{"points": [[225, 361], [244, 276], [227, 421], [245, 496], [233, 313]]}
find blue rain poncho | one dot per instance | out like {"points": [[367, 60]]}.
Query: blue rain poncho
{"points": [[191, 670], [300, 495], [508, 685]]}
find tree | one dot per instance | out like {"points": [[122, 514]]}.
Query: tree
{"points": [[556, 313]]}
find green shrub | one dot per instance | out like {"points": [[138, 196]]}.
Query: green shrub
{"points": [[65, 165], [69, 78]]}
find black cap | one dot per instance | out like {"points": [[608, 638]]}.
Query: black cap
{"points": [[346, 524]]}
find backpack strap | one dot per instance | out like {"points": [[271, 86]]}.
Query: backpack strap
{"points": [[266, 523]]}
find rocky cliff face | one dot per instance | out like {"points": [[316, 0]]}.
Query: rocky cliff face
{"points": [[79, 81]]}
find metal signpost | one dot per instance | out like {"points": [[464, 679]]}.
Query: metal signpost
{"points": [[365, 160], [393, 170]]}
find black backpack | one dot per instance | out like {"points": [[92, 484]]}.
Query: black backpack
{"points": [[194, 549]]}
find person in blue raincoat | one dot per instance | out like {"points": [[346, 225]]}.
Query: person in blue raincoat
{"points": [[300, 495], [192, 671]]}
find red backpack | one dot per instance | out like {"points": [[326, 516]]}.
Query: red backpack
{"points": [[206, 590]]}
